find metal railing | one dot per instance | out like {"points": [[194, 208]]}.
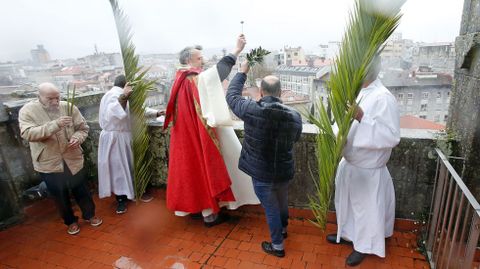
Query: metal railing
{"points": [[454, 224]]}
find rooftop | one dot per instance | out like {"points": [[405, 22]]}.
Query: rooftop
{"points": [[412, 122], [150, 236]]}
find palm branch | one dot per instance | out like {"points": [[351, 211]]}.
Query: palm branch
{"points": [[255, 56], [70, 100], [135, 75], [365, 35]]}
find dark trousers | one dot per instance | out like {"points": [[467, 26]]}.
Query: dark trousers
{"points": [[274, 199], [59, 184]]}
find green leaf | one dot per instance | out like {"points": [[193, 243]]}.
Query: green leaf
{"points": [[255, 56]]}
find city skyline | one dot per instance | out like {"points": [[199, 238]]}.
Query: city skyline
{"points": [[66, 31]]}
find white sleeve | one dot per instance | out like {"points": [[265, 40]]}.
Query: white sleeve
{"points": [[150, 113], [380, 129], [114, 109]]}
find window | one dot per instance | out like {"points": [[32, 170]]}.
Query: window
{"points": [[400, 96], [423, 117], [439, 94], [425, 96], [295, 53], [445, 118], [423, 107], [410, 98]]}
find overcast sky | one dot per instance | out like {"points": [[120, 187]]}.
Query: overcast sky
{"points": [[70, 28]]}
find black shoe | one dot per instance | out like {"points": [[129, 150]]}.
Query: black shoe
{"points": [[268, 248], [332, 239], [196, 216], [355, 258], [285, 235], [221, 218], [121, 208]]}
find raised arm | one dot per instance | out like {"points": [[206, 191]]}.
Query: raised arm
{"points": [[235, 101], [225, 65]]}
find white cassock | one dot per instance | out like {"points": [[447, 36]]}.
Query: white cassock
{"points": [[364, 194], [115, 157], [215, 111]]}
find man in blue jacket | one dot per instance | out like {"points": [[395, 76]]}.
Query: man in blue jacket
{"points": [[271, 129]]}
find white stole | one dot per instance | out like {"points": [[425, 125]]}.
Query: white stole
{"points": [[212, 99]]}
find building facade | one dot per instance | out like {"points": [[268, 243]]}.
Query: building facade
{"points": [[426, 96], [40, 55], [440, 57], [298, 79]]}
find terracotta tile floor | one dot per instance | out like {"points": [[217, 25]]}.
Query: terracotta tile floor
{"points": [[149, 236]]}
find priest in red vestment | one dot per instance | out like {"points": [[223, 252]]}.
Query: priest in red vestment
{"points": [[198, 179]]}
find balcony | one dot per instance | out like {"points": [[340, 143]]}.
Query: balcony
{"points": [[150, 236]]}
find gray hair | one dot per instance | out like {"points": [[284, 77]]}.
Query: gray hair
{"points": [[186, 54], [374, 69]]}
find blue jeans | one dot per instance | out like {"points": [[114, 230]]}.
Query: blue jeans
{"points": [[274, 198]]}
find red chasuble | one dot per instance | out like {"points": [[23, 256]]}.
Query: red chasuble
{"points": [[197, 175]]}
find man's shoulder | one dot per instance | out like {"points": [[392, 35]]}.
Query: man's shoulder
{"points": [[115, 91], [385, 93], [382, 92], [192, 78], [287, 111], [30, 105]]}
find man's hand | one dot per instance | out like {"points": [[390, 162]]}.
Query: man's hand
{"points": [[127, 90], [160, 113], [241, 41], [244, 67], [64, 121], [358, 114], [74, 143]]}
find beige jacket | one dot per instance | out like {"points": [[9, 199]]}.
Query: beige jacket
{"points": [[48, 141]]}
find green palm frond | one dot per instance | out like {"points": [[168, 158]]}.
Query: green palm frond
{"points": [[135, 75], [366, 33], [255, 56], [70, 100]]}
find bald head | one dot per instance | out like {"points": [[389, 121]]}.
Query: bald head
{"points": [[46, 88], [49, 95], [270, 86]]}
